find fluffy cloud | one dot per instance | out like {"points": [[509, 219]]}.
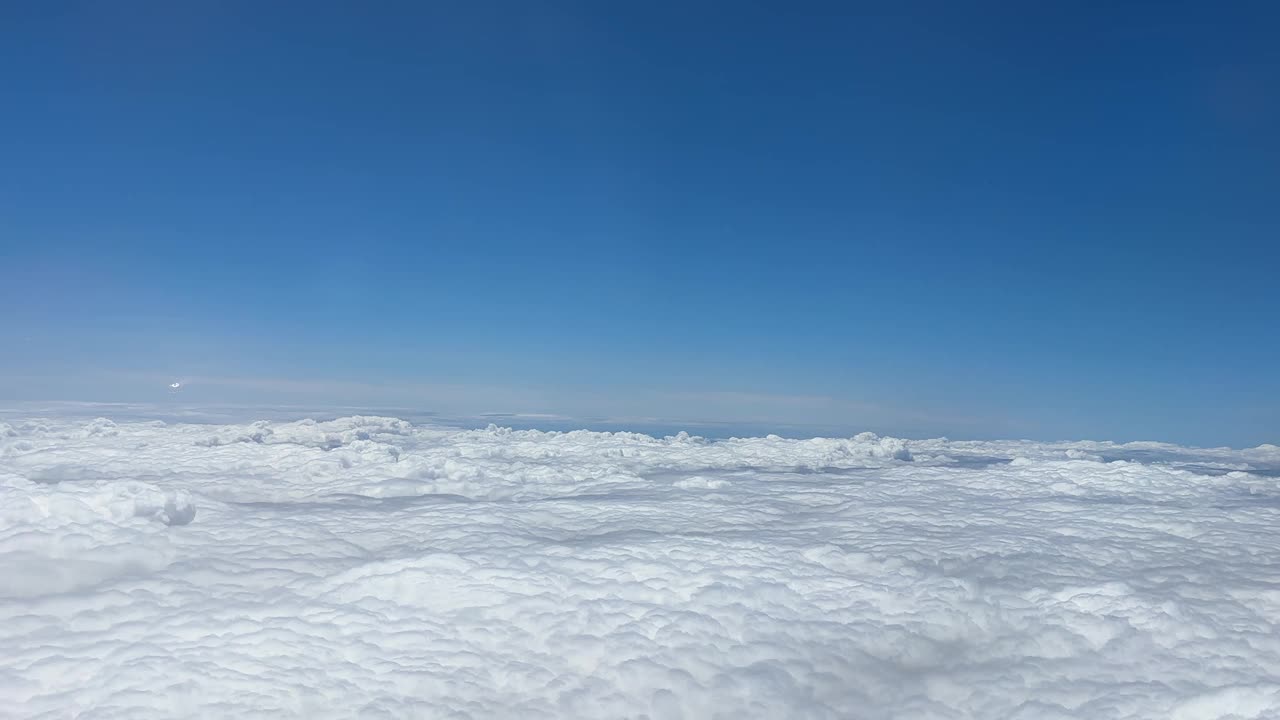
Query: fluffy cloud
{"points": [[367, 567]]}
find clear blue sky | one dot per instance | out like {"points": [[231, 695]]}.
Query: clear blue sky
{"points": [[1051, 220]]}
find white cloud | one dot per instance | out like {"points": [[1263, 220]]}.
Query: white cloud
{"points": [[371, 567]]}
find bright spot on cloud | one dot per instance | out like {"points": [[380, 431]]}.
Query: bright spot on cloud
{"points": [[369, 567]]}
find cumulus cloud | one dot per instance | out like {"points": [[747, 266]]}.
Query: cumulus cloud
{"points": [[370, 567]]}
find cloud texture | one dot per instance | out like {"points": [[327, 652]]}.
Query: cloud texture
{"points": [[369, 567]]}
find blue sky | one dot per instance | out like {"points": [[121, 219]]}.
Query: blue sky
{"points": [[1046, 220]]}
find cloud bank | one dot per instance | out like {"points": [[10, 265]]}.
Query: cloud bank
{"points": [[370, 567]]}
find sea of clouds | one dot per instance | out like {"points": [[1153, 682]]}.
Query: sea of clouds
{"points": [[370, 567]]}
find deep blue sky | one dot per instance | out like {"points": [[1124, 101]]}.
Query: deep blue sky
{"points": [[1052, 220]]}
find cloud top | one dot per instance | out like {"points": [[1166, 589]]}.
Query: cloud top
{"points": [[372, 567]]}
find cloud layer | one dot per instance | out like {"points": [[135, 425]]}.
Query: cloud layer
{"points": [[369, 567]]}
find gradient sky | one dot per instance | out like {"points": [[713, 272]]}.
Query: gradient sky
{"points": [[1046, 220]]}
